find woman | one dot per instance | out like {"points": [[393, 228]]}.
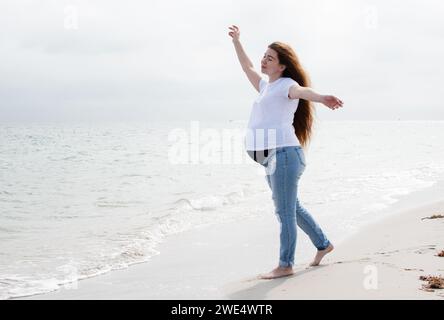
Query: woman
{"points": [[280, 125]]}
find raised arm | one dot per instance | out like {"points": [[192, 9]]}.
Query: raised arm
{"points": [[246, 64], [306, 93]]}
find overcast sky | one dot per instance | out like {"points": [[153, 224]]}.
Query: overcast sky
{"points": [[159, 59]]}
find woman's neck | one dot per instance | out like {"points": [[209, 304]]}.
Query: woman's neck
{"points": [[273, 78]]}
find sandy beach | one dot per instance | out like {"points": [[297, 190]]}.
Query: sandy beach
{"points": [[382, 261], [385, 261]]}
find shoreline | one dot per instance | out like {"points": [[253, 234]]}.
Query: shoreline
{"points": [[221, 261]]}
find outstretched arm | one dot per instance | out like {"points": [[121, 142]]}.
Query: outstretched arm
{"points": [[306, 93], [245, 62], [242, 56]]}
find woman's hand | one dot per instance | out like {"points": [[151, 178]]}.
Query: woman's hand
{"points": [[234, 33], [331, 102]]}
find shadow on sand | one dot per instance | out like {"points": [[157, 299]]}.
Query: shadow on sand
{"points": [[261, 287]]}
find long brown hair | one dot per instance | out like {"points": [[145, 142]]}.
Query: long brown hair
{"points": [[304, 116]]}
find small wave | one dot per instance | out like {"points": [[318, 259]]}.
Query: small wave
{"points": [[64, 217], [135, 175], [116, 204], [69, 158], [12, 286], [179, 193], [7, 230], [192, 204], [16, 217], [111, 205], [209, 202], [12, 200]]}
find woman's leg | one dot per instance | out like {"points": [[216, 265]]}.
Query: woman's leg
{"points": [[304, 219], [306, 222], [310, 227], [283, 177]]}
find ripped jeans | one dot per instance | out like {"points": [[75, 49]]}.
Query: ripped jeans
{"points": [[284, 167]]}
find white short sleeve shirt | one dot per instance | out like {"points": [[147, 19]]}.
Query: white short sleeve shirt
{"points": [[271, 119]]}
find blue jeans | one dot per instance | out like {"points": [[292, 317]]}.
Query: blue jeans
{"points": [[284, 167]]}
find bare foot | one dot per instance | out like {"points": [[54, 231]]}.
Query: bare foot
{"points": [[279, 272], [320, 254]]}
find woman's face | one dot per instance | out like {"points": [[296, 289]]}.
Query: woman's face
{"points": [[270, 64]]}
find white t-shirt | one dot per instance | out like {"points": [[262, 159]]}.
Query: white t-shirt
{"points": [[271, 119]]}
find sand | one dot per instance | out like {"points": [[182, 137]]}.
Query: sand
{"points": [[384, 261]]}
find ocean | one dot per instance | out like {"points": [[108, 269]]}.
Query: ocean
{"points": [[78, 200]]}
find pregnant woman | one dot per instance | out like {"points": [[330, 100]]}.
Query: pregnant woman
{"points": [[279, 127]]}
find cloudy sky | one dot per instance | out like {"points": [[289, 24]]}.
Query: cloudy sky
{"points": [[172, 59]]}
